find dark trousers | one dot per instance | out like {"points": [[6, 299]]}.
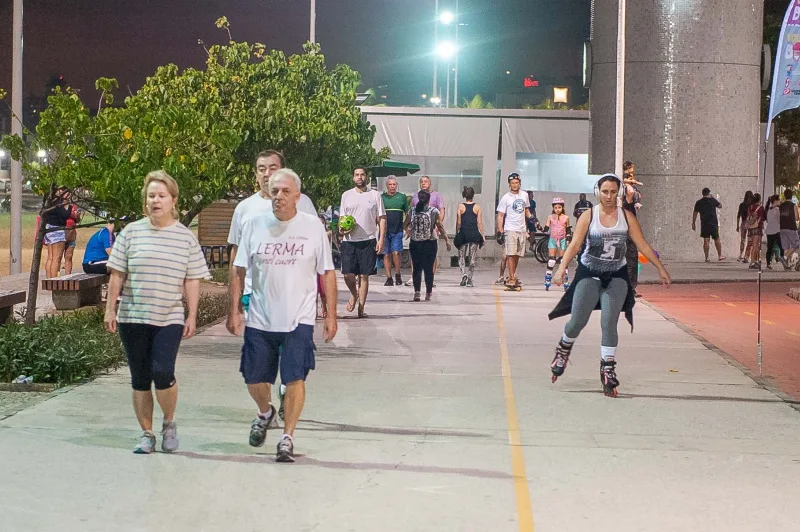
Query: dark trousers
{"points": [[774, 241], [423, 255], [632, 257]]}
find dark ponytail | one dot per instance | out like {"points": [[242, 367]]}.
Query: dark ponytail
{"points": [[468, 193], [423, 198]]}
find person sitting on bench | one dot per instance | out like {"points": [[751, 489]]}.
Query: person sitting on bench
{"points": [[98, 249]]}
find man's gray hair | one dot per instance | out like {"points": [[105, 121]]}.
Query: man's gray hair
{"points": [[285, 172], [391, 178]]}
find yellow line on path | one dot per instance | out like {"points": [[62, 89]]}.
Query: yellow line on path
{"points": [[715, 297], [792, 333], [730, 304], [524, 511], [768, 322], [749, 313]]}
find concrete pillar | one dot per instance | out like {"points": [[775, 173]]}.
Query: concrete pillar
{"points": [[692, 105]]}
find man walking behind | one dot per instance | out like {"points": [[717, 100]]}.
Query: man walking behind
{"points": [[707, 207], [512, 212], [362, 245], [790, 240], [396, 207], [284, 250], [582, 206]]}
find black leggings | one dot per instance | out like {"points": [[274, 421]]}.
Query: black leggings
{"points": [[423, 256], [95, 267], [151, 354], [774, 241]]}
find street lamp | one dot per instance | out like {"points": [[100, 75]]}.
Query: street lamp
{"points": [[446, 17], [447, 50], [435, 100]]}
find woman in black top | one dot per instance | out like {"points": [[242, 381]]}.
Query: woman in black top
{"points": [[469, 235], [741, 226], [55, 241]]}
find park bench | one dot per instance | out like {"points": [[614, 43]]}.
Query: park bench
{"points": [[76, 290], [212, 232], [9, 298]]}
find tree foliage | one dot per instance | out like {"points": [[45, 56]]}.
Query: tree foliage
{"points": [[205, 128]]}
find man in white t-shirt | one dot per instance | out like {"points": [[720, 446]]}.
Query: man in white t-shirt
{"points": [[362, 245], [285, 250], [512, 213], [267, 163]]}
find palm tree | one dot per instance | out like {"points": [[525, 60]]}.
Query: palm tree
{"points": [[477, 102]]}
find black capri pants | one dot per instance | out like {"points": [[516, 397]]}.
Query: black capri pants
{"points": [[423, 257], [152, 352]]}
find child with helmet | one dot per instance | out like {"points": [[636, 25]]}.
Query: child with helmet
{"points": [[559, 227]]}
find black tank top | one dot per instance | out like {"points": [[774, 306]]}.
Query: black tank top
{"points": [[469, 224], [787, 217]]}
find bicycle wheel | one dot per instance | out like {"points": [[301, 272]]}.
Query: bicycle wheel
{"points": [[541, 250]]}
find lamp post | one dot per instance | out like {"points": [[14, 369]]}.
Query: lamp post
{"points": [[15, 249], [620, 110], [447, 50], [313, 29], [435, 92]]}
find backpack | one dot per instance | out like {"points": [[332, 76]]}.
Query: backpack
{"points": [[753, 220], [422, 224]]}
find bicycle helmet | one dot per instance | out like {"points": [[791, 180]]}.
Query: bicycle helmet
{"points": [[557, 201], [513, 175]]}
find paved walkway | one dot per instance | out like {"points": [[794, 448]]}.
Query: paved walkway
{"points": [[427, 416]]}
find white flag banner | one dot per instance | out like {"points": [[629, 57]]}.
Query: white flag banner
{"points": [[786, 76]]}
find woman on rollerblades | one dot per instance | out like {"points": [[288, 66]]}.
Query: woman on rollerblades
{"points": [[601, 280]]}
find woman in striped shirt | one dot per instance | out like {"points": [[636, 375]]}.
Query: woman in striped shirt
{"points": [[157, 264]]}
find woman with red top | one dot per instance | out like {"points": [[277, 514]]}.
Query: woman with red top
{"points": [[755, 230], [71, 234]]}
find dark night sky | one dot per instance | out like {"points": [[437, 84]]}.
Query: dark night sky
{"points": [[386, 40]]}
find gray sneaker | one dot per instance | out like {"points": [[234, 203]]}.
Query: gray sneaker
{"points": [[258, 429], [147, 443], [285, 450], [169, 437]]}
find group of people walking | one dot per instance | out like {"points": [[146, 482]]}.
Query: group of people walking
{"points": [[281, 259], [777, 218]]}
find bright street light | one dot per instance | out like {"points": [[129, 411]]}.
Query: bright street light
{"points": [[446, 50], [41, 154], [436, 100], [446, 17], [2, 154]]}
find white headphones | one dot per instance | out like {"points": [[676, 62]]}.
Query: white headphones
{"points": [[608, 177]]}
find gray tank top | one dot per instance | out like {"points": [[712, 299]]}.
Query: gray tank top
{"points": [[606, 246]]}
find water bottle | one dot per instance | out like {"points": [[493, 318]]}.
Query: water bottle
{"points": [[19, 380]]}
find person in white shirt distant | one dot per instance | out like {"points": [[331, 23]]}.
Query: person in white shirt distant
{"points": [[362, 245], [284, 250], [512, 213]]}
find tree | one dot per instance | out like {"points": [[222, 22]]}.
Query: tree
{"points": [[204, 127], [477, 102]]}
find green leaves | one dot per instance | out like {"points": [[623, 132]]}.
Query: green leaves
{"points": [[205, 128]]}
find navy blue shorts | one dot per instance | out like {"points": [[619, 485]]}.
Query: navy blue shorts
{"points": [[263, 353]]}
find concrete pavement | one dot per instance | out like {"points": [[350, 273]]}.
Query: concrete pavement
{"points": [[427, 416]]}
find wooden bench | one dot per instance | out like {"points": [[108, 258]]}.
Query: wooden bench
{"points": [[76, 290], [9, 298], [213, 225]]}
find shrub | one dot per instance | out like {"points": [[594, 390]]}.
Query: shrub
{"points": [[220, 275], [61, 349], [211, 308]]}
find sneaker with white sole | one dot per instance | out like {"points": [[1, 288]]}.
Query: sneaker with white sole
{"points": [[169, 437], [147, 443], [258, 429], [285, 451]]}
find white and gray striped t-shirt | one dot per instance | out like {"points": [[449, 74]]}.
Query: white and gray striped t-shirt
{"points": [[156, 262]]}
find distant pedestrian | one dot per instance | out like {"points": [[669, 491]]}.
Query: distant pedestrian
{"points": [[706, 207], [157, 264], [790, 240], [559, 227], [469, 235], [741, 225], [396, 206], [631, 202], [513, 210], [755, 230], [422, 227], [55, 221], [70, 233], [582, 206], [773, 229]]}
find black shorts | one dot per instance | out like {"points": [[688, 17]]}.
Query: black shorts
{"points": [[359, 258], [263, 353], [151, 354], [709, 232]]}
